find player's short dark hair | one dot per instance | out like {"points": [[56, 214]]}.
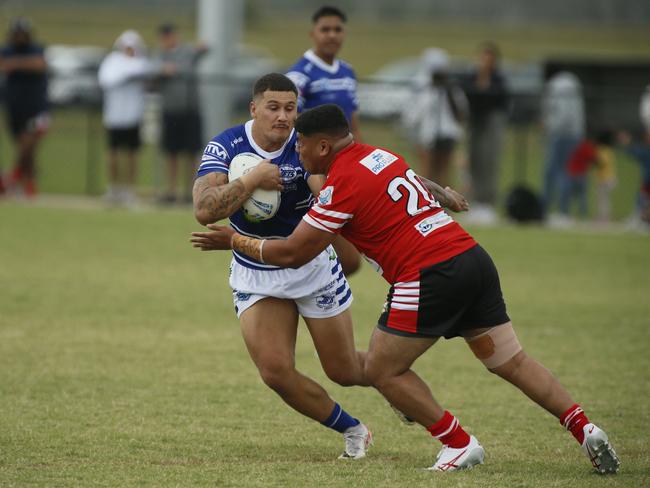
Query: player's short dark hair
{"points": [[273, 82], [328, 11], [326, 119]]}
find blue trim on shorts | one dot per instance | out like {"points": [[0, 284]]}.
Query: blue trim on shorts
{"points": [[346, 297], [246, 264]]}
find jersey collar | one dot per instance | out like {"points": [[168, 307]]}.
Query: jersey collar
{"points": [[248, 126], [311, 56]]}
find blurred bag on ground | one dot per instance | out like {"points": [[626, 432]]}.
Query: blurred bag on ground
{"points": [[524, 205]]}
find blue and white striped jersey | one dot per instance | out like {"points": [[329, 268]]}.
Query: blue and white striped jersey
{"points": [[296, 196], [319, 83]]}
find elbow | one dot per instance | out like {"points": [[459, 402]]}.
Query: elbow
{"points": [[204, 217], [350, 266]]}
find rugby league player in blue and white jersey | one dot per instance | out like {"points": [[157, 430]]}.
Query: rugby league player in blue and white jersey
{"points": [[269, 299]]}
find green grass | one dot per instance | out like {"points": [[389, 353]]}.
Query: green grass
{"points": [[121, 364]]}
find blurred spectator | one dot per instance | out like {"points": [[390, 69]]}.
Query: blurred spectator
{"points": [[563, 119], [434, 117], [586, 154], [488, 98], [323, 78], [605, 175], [644, 109], [181, 119], [122, 76], [641, 153], [23, 63]]}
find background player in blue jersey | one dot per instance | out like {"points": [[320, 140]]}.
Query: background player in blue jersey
{"points": [[268, 299], [323, 78], [22, 61]]}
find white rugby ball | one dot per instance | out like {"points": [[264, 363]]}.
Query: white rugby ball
{"points": [[263, 204]]}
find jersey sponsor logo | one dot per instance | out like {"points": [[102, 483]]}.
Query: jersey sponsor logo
{"points": [[326, 301], [216, 150], [428, 225], [378, 160], [333, 84], [236, 141], [329, 286], [325, 195], [288, 173], [299, 79]]}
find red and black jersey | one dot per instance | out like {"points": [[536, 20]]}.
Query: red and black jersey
{"points": [[377, 202]]}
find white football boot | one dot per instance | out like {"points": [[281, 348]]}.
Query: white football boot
{"points": [[599, 451], [357, 441], [452, 459]]}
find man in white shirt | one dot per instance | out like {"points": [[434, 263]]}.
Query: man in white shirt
{"points": [[122, 77]]}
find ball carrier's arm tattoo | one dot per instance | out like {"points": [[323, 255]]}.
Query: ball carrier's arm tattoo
{"points": [[248, 245], [215, 198]]}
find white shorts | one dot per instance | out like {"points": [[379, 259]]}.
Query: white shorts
{"points": [[318, 288]]}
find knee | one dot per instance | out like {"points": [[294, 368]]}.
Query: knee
{"points": [[276, 376], [375, 375], [510, 368]]}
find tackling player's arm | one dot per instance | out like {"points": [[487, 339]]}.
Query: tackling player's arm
{"points": [[447, 197], [303, 245], [216, 198], [345, 250]]}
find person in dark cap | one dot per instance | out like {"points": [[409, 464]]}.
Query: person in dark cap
{"points": [[23, 63]]}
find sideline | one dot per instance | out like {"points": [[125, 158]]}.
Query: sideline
{"points": [[84, 202]]}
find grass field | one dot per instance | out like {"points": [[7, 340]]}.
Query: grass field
{"points": [[121, 361], [121, 364]]}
